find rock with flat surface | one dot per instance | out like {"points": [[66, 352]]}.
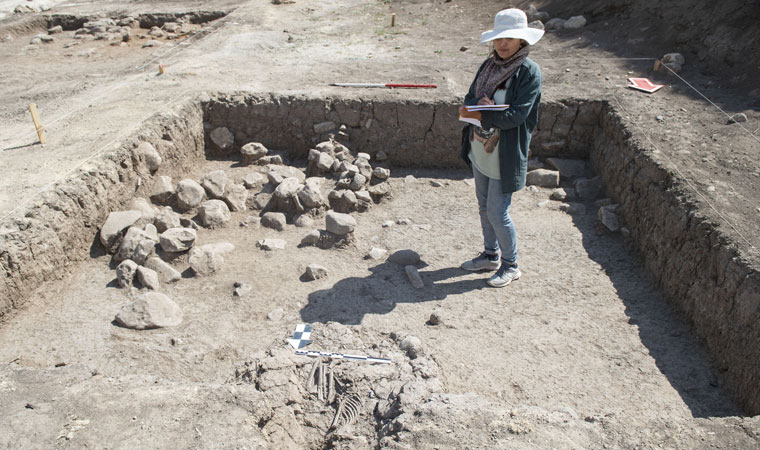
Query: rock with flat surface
{"points": [[150, 310], [214, 183], [271, 244], [115, 224], [166, 219], [543, 178], [166, 272], [190, 194], [137, 245], [148, 278], [315, 272], [205, 261], [214, 213], [252, 152], [274, 220], [176, 240], [339, 224], [568, 168], [222, 137], [236, 196], [163, 190]]}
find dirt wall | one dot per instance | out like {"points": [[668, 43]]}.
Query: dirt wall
{"points": [[699, 269], [411, 133], [61, 227]]}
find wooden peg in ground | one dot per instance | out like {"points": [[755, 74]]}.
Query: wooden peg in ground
{"points": [[37, 123]]}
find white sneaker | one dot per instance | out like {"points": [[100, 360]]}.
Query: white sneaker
{"points": [[483, 261], [505, 275]]}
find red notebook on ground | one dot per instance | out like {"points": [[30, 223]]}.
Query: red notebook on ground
{"points": [[643, 84]]}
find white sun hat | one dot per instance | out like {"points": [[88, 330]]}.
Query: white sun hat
{"points": [[512, 23]]}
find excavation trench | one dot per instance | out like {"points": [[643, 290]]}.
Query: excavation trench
{"points": [[676, 241]]}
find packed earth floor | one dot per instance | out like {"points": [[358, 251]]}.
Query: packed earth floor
{"points": [[582, 352]]}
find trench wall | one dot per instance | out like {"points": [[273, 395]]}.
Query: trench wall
{"points": [[700, 271], [60, 228]]}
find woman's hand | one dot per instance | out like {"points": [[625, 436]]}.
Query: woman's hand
{"points": [[485, 101]]}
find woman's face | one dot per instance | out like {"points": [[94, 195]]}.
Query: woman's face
{"points": [[506, 47]]}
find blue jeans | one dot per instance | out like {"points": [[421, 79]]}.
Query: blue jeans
{"points": [[498, 229]]}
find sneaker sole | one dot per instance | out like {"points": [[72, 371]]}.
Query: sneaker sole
{"points": [[497, 285]]}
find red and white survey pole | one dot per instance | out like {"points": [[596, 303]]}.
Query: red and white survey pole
{"points": [[385, 85]]}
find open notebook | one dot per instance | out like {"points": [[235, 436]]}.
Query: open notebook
{"points": [[470, 117]]}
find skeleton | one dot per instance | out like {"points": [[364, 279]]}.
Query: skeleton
{"points": [[348, 411], [322, 381]]}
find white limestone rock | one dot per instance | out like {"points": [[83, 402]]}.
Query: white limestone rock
{"points": [[214, 183], [115, 224], [190, 194], [125, 272], [148, 278], [150, 310], [214, 213], [176, 240], [339, 223]]}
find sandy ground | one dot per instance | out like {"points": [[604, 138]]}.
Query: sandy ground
{"points": [[582, 352]]}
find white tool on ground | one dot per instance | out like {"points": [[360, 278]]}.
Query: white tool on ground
{"points": [[386, 85], [301, 339]]}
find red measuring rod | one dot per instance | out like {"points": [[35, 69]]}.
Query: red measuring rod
{"points": [[385, 85]]}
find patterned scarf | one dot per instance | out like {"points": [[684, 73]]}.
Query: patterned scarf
{"points": [[497, 71]]}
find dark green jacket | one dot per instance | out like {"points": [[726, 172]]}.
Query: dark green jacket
{"points": [[516, 124]]}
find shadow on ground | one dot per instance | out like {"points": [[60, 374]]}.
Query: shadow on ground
{"points": [[670, 342], [348, 300]]}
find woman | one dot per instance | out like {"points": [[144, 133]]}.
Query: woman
{"points": [[498, 149]]}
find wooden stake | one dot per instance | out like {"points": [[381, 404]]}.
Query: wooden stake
{"points": [[37, 123], [656, 65], [393, 19], [161, 69]]}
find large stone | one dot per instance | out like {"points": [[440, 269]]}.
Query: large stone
{"points": [[289, 187], [236, 196], [339, 223], [310, 196], [214, 183], [163, 190], [167, 218], [252, 152], [288, 172], [148, 278], [222, 137], [324, 162], [165, 271], [137, 245], [357, 182], [405, 257], [150, 310], [568, 168], [254, 180], [190, 194], [274, 220], [379, 191], [140, 204], [271, 244], [543, 177], [311, 238], [381, 173], [125, 272], [412, 346], [115, 224], [150, 155], [214, 213], [176, 240], [205, 261], [574, 23], [608, 218]]}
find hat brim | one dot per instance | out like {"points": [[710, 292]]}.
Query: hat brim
{"points": [[529, 35]]}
